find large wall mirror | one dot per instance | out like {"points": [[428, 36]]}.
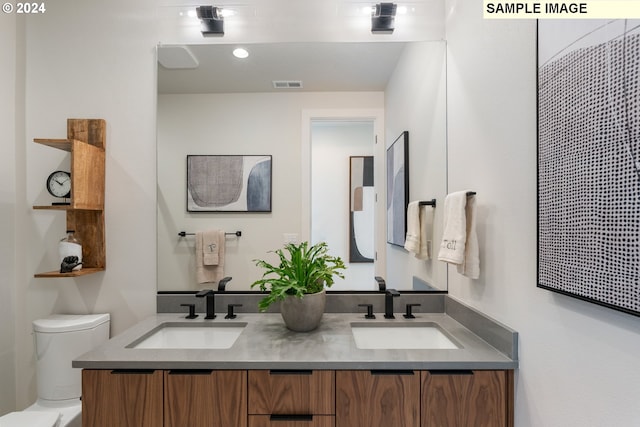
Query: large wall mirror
{"points": [[356, 99]]}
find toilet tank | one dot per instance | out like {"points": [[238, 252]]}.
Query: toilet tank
{"points": [[60, 338]]}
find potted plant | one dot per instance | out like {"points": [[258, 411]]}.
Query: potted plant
{"points": [[299, 282]]}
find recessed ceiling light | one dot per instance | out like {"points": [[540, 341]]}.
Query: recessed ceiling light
{"points": [[240, 53]]}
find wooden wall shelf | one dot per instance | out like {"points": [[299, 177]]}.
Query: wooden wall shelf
{"points": [[86, 139]]}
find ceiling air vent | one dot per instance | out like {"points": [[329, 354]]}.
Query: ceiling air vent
{"points": [[287, 84]]}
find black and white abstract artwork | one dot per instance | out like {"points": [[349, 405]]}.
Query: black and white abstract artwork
{"points": [[397, 189], [589, 160], [362, 206], [228, 183]]}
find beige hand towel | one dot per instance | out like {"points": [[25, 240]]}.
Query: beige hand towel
{"points": [[209, 273], [210, 247], [459, 239]]}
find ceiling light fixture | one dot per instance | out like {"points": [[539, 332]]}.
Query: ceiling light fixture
{"points": [[383, 18], [240, 52], [212, 21]]}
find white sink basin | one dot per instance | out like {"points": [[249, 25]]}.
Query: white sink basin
{"points": [[405, 336], [183, 335]]}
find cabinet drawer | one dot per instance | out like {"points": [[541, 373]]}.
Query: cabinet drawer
{"points": [[291, 392], [311, 421]]}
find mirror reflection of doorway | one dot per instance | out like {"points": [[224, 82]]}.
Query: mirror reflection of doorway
{"points": [[343, 195]]}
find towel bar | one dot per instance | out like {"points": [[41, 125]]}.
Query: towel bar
{"points": [[235, 233], [431, 202]]}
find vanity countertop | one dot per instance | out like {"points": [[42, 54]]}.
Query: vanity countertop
{"points": [[266, 343]]}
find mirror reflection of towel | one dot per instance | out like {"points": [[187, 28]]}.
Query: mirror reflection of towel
{"points": [[419, 227], [210, 248]]}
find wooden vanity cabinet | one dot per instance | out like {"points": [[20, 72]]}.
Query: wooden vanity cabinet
{"points": [[205, 398], [291, 398], [288, 398], [377, 398], [467, 398], [123, 398]]}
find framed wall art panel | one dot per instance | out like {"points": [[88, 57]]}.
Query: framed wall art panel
{"points": [[397, 189], [228, 183], [361, 209], [589, 161]]}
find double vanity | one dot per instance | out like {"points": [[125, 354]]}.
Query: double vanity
{"points": [[448, 366]]}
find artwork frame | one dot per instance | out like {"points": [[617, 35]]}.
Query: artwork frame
{"points": [[588, 161], [229, 183], [361, 209], [397, 174]]}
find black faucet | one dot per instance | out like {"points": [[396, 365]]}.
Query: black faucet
{"points": [[210, 303], [223, 283], [388, 303]]}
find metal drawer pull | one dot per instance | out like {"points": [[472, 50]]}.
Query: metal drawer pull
{"points": [[391, 372], [132, 371], [290, 372], [190, 372], [290, 417], [452, 372]]}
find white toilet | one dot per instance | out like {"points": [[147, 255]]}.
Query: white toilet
{"points": [[60, 338]]}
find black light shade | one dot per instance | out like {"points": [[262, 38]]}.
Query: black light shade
{"points": [[383, 18], [211, 19]]}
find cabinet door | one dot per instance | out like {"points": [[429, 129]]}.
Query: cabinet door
{"points": [[467, 398], [205, 398], [291, 392], [377, 399], [121, 398], [291, 421]]}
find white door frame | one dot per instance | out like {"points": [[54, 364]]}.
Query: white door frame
{"points": [[377, 116]]}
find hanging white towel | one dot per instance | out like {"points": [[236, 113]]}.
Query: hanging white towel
{"points": [[419, 226], [208, 273], [459, 239]]}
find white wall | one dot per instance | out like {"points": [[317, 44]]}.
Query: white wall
{"points": [[87, 59], [415, 100], [9, 90], [267, 123], [579, 363]]}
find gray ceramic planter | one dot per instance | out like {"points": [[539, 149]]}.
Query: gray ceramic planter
{"points": [[303, 314]]}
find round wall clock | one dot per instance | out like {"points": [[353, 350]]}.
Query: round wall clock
{"points": [[59, 184]]}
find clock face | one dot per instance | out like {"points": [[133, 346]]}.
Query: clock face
{"points": [[59, 184]]}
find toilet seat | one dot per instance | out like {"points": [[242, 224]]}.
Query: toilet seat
{"points": [[31, 419]]}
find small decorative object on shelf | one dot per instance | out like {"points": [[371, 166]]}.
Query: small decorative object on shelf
{"points": [[59, 185], [70, 249], [70, 263]]}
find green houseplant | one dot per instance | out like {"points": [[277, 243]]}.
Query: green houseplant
{"points": [[299, 281]]}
